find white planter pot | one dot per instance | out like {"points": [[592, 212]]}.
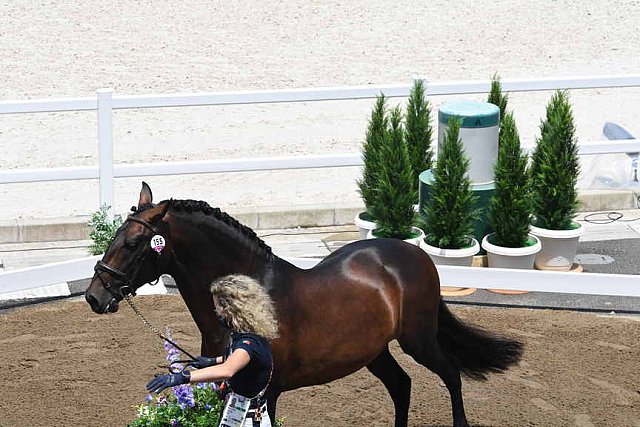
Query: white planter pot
{"points": [[502, 257], [363, 225], [461, 257], [559, 248], [413, 240]]}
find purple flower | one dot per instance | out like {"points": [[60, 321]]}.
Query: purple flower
{"points": [[149, 398], [174, 423], [173, 353], [184, 395], [207, 407]]}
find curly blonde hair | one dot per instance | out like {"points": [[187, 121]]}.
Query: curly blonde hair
{"points": [[246, 305]]}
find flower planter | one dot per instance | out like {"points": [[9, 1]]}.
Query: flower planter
{"points": [[363, 224], [459, 257], [415, 231], [559, 247], [503, 257]]}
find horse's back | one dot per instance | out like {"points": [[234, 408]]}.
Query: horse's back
{"points": [[354, 302], [401, 259]]}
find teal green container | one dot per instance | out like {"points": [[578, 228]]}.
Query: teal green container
{"points": [[478, 133], [483, 191]]}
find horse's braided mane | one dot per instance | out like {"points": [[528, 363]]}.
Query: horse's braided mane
{"points": [[204, 207]]}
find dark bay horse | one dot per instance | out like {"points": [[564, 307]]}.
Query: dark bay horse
{"points": [[334, 318]]}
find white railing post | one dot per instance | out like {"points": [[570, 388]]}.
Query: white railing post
{"points": [[105, 148]]}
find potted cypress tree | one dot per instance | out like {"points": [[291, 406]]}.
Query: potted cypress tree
{"points": [[376, 128], [497, 98], [418, 133], [393, 208], [555, 167], [449, 215], [510, 245]]}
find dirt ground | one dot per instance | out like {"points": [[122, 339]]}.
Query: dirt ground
{"points": [[64, 365]]}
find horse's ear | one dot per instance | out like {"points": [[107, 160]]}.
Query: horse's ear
{"points": [[146, 197], [166, 207], [160, 211]]}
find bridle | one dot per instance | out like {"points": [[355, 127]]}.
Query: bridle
{"points": [[127, 282], [126, 290]]}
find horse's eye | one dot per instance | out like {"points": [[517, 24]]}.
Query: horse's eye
{"points": [[131, 243]]}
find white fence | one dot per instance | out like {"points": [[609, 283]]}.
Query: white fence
{"points": [[104, 103], [476, 277]]}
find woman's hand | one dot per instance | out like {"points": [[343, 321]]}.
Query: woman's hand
{"points": [[203, 362], [160, 382]]}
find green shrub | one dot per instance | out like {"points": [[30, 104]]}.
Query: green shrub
{"points": [[418, 133], [102, 231], [449, 215], [555, 167], [496, 97], [371, 148], [510, 207], [393, 209]]}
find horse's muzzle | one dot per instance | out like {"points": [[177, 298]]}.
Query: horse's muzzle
{"points": [[97, 307]]}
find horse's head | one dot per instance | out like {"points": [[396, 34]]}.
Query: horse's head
{"points": [[133, 257]]}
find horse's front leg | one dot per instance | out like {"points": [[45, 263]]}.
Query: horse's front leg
{"points": [[272, 399]]}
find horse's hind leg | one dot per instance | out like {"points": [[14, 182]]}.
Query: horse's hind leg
{"points": [[397, 382], [430, 354]]}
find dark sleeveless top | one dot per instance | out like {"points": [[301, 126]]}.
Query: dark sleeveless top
{"points": [[253, 378]]}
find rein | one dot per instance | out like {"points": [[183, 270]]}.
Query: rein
{"points": [[156, 331], [126, 291]]}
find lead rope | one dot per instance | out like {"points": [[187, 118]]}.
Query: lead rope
{"points": [[154, 329]]}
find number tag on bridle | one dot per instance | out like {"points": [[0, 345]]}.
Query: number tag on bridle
{"points": [[157, 243]]}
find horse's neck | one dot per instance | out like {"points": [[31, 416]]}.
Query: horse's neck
{"points": [[203, 252], [199, 261], [216, 248]]}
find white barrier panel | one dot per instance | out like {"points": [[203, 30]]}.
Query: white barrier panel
{"points": [[527, 280], [475, 277], [316, 94], [50, 280], [105, 102], [57, 290], [541, 281], [58, 272], [250, 164], [184, 168]]}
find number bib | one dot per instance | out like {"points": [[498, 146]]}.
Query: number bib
{"points": [[235, 410]]}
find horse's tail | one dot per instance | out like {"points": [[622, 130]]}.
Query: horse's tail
{"points": [[473, 351]]}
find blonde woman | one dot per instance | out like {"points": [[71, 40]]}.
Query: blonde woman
{"points": [[244, 307]]}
